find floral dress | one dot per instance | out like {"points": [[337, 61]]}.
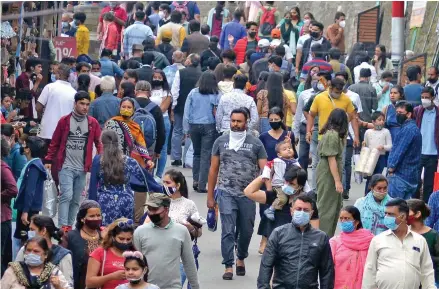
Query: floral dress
{"points": [[116, 201]]}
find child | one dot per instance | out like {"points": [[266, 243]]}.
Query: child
{"points": [[136, 271], [378, 138], [273, 176]]}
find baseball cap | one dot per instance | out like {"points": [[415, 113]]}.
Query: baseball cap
{"points": [[275, 33], [167, 34], [137, 47], [263, 43], [157, 200], [275, 42]]}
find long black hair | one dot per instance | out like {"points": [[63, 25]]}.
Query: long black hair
{"points": [[128, 89], [178, 178], [355, 213], [112, 159], [207, 83], [83, 209], [338, 121], [278, 111], [140, 261], [308, 82], [46, 222], [165, 80], [275, 90], [417, 205], [355, 51], [83, 82], [383, 56], [262, 81]]}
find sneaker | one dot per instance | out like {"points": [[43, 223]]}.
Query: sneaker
{"points": [[345, 195], [269, 213], [195, 187], [176, 163]]}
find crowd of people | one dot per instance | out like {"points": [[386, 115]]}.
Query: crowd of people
{"points": [[258, 97]]}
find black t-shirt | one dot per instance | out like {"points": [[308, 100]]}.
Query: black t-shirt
{"points": [[270, 196]]}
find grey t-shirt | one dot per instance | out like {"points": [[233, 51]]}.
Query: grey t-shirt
{"points": [[238, 169], [76, 142]]}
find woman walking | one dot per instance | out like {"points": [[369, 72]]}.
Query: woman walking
{"points": [[329, 170], [199, 122]]}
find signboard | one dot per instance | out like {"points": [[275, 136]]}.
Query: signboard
{"points": [[418, 12], [64, 47]]}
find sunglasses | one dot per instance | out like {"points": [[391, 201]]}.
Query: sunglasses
{"points": [[125, 225]]}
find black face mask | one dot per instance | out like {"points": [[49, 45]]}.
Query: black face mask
{"points": [[432, 80], [315, 35], [157, 83], [275, 124], [252, 34], [135, 282], [156, 219], [401, 118], [122, 246]]}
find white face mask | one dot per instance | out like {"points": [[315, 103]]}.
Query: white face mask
{"points": [[162, 14], [342, 24], [383, 82], [426, 103]]}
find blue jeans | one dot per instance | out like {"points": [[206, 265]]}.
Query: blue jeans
{"points": [[177, 137], [232, 210], [347, 168], [164, 153], [72, 184], [264, 125], [315, 158], [183, 275], [400, 188], [202, 136], [303, 148]]}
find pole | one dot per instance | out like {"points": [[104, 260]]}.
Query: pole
{"points": [[397, 30]]}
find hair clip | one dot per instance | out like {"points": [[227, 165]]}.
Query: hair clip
{"points": [[124, 225], [135, 254]]}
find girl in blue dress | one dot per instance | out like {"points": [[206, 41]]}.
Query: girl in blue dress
{"points": [[110, 180]]}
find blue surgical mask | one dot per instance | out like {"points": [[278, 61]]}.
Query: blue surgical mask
{"points": [[301, 218], [31, 234], [33, 260], [347, 226], [52, 77], [390, 222], [288, 190]]}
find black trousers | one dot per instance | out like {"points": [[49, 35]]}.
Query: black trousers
{"points": [[429, 164], [6, 245]]}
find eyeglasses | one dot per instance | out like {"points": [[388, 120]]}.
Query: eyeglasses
{"points": [[125, 225]]}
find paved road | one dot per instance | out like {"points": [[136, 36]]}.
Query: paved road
{"points": [[211, 269]]}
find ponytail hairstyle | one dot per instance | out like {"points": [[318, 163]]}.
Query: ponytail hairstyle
{"points": [[46, 222], [139, 258], [178, 178]]}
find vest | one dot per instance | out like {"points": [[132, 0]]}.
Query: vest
{"points": [[197, 43], [188, 79]]}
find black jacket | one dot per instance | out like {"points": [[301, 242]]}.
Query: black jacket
{"points": [[188, 80], [298, 259], [307, 46], [208, 53], [145, 73]]}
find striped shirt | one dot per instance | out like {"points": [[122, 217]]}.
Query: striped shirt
{"points": [[405, 155]]}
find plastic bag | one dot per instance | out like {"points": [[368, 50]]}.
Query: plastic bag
{"points": [[189, 159], [367, 162], [50, 197]]}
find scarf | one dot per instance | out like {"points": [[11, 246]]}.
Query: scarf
{"points": [[23, 172], [78, 117], [25, 279], [372, 213], [236, 139]]}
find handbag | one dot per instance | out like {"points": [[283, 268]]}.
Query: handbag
{"points": [[50, 197]]}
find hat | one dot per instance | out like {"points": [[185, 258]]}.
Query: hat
{"points": [[263, 43], [138, 47], [275, 42], [167, 34], [157, 200], [275, 33]]}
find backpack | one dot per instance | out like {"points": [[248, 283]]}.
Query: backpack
{"points": [[146, 121], [268, 21], [182, 7]]}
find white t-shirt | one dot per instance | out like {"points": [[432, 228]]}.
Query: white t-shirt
{"points": [[302, 40], [312, 43], [58, 99], [355, 98], [158, 96]]}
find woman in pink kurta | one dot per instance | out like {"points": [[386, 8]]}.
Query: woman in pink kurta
{"points": [[349, 249]]}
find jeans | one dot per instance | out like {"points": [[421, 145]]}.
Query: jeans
{"points": [[233, 209], [400, 188], [429, 164], [202, 136], [72, 184], [6, 245], [177, 137], [183, 275], [303, 148], [347, 170], [264, 125], [315, 159], [164, 153]]}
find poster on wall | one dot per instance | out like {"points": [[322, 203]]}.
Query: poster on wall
{"points": [[418, 13], [64, 47]]}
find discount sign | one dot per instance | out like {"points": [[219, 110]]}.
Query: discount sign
{"points": [[64, 47]]}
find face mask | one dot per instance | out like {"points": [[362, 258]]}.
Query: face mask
{"points": [[378, 127], [270, 69], [156, 219], [73, 24], [135, 281], [301, 218], [315, 35], [411, 219], [288, 190], [347, 226], [157, 83], [390, 222], [169, 190], [275, 124], [252, 34], [401, 118], [65, 25], [122, 246], [93, 224], [379, 196], [97, 73], [432, 80], [126, 112], [342, 24], [161, 14], [335, 95], [383, 83], [426, 103], [52, 77], [33, 259], [320, 87], [31, 234]]}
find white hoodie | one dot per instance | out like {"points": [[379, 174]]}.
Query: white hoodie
{"points": [[225, 86]]}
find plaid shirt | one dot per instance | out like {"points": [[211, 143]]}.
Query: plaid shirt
{"points": [[433, 203], [405, 155]]}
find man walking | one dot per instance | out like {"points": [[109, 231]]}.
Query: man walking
{"points": [[136, 34], [335, 32], [72, 147], [195, 42], [398, 258], [237, 158], [298, 253], [107, 105], [174, 240]]}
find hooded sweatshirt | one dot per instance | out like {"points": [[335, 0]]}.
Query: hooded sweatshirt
{"points": [[349, 252], [225, 86]]}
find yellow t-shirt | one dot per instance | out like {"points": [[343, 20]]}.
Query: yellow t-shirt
{"points": [[92, 95], [323, 105], [292, 98]]}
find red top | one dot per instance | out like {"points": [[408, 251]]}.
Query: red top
{"points": [[217, 26], [113, 36], [112, 264], [119, 12], [23, 83]]}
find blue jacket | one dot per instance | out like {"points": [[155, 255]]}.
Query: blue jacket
{"points": [[234, 28], [30, 195], [110, 68], [15, 160]]}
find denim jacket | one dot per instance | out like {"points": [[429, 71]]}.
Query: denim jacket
{"points": [[110, 68], [199, 108]]}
